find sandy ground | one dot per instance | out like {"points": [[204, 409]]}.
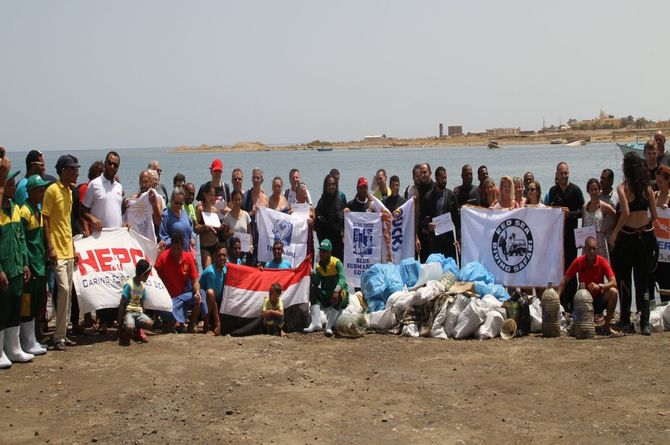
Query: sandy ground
{"points": [[192, 388]]}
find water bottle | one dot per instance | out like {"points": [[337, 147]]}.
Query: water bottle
{"points": [[551, 312]]}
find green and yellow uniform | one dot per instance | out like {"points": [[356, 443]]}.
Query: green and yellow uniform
{"points": [[326, 279], [35, 290], [13, 258]]}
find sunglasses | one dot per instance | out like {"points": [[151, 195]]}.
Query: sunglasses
{"points": [[178, 203]]}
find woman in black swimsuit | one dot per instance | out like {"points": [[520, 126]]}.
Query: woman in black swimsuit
{"points": [[634, 241]]}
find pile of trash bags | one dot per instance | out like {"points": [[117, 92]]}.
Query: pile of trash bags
{"points": [[435, 299]]}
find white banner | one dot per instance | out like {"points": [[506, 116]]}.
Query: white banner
{"points": [[362, 244], [106, 261], [662, 231], [291, 230], [402, 232], [520, 247], [139, 216]]}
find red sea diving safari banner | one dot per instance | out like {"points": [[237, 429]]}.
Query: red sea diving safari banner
{"points": [[520, 247], [106, 261]]}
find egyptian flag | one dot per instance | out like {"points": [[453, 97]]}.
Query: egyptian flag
{"points": [[246, 288]]}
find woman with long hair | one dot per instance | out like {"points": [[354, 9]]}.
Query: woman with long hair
{"points": [[209, 235], [506, 200], [594, 213], [329, 216], [534, 195], [633, 240], [518, 191], [238, 220], [490, 193]]}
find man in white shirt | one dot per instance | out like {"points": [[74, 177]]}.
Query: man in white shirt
{"points": [[289, 193], [104, 197]]}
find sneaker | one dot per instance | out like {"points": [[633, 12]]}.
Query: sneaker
{"points": [[646, 330], [142, 336]]}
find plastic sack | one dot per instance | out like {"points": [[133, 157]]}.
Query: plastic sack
{"points": [[491, 327], [655, 321], [665, 314], [459, 303], [378, 283], [351, 325], [490, 302], [448, 264], [476, 272], [382, 320], [535, 316], [428, 272], [354, 306], [498, 291], [410, 330], [437, 330], [409, 270], [423, 295], [469, 320]]}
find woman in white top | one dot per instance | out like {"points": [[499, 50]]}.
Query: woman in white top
{"points": [[534, 195], [594, 213], [506, 200], [238, 220]]}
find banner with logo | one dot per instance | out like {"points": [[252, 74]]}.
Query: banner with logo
{"points": [[520, 247], [106, 260], [362, 244], [139, 216], [402, 233], [662, 231], [291, 230]]}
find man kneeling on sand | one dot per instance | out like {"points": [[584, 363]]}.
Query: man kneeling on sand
{"points": [[593, 270]]}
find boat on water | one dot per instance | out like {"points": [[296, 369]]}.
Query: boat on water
{"points": [[494, 144], [322, 148], [558, 141], [577, 143], [635, 147]]}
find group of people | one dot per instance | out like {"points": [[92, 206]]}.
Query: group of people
{"points": [[42, 213]]}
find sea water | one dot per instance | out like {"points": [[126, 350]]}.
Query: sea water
{"points": [[585, 162]]}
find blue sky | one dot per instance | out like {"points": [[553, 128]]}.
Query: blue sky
{"points": [[79, 74]]}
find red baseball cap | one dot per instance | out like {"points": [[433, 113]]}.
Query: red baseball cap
{"points": [[362, 182], [217, 165]]}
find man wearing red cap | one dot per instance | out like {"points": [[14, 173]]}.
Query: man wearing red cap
{"points": [[362, 201], [221, 189]]}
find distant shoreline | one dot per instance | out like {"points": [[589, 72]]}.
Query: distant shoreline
{"points": [[431, 142]]}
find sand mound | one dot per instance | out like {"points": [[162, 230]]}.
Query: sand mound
{"points": [[249, 146]]}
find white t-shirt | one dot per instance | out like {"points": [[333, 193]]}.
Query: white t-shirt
{"points": [[104, 199], [291, 198], [238, 225]]}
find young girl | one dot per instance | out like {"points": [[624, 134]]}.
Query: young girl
{"points": [[593, 214]]}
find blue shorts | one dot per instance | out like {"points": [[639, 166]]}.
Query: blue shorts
{"points": [[133, 319]]}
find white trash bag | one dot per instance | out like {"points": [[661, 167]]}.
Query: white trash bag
{"points": [[437, 330], [453, 310], [470, 319], [535, 315], [491, 327], [428, 272], [665, 314], [382, 320]]}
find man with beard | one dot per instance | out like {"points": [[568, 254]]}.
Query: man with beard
{"points": [[424, 186], [466, 193], [441, 200], [570, 198]]}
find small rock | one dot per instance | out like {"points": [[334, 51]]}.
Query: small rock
{"points": [[229, 412], [95, 439], [36, 434]]}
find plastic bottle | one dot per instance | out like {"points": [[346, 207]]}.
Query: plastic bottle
{"points": [[582, 315], [551, 312]]}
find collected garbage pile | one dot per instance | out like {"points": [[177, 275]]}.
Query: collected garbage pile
{"points": [[436, 299]]}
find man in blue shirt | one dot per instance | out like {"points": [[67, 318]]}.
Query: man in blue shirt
{"points": [[278, 262], [211, 281]]}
